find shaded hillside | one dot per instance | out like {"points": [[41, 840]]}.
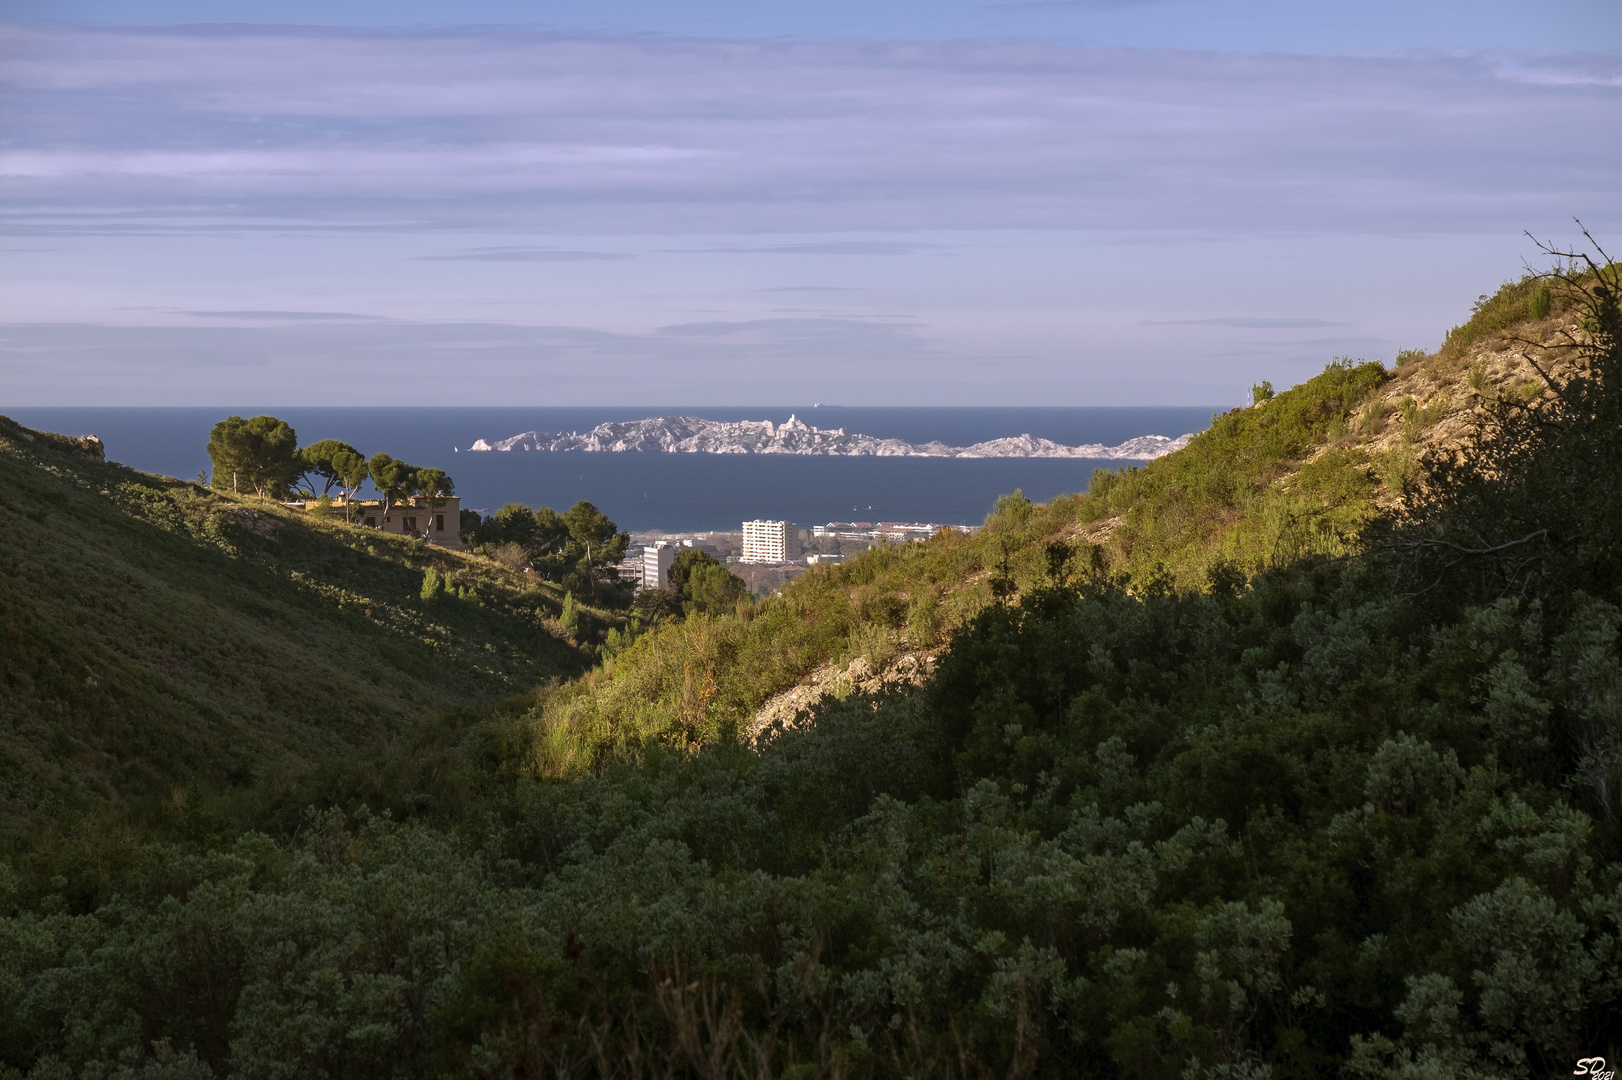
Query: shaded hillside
{"points": [[157, 635]]}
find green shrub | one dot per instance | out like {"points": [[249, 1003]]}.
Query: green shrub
{"points": [[1538, 303], [923, 621], [569, 617]]}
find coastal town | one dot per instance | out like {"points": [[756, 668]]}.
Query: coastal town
{"points": [[766, 554]]}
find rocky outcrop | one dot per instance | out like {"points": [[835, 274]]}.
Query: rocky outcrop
{"points": [[695, 435], [788, 709]]}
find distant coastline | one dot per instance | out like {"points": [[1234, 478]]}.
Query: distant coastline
{"points": [[696, 435]]}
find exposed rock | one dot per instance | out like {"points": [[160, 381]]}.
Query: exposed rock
{"points": [[787, 710], [695, 435], [263, 524]]}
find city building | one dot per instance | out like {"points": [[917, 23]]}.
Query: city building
{"points": [[703, 545], [629, 569], [814, 559], [893, 532], [770, 542], [659, 556], [657, 559]]}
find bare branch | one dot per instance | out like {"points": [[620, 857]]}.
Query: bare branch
{"points": [[1462, 550]]}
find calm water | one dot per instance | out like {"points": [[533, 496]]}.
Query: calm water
{"points": [[675, 492]]}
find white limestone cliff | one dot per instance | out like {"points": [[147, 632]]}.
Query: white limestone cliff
{"points": [[695, 435]]}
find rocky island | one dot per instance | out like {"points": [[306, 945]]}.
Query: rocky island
{"points": [[695, 435]]}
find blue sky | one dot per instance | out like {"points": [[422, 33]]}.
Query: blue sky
{"points": [[660, 204]]}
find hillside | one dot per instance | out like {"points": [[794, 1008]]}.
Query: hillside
{"points": [[162, 640], [1067, 810], [1304, 474]]}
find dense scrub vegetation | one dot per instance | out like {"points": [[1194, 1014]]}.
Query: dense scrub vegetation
{"points": [[1329, 816]]}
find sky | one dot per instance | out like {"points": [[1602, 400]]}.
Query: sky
{"points": [[1038, 202]]}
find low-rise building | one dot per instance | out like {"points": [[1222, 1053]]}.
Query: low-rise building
{"points": [[629, 569], [893, 532], [438, 521]]}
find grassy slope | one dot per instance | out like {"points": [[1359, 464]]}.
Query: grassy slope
{"points": [[157, 636], [1303, 474], [1262, 486]]}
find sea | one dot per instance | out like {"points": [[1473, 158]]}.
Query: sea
{"points": [[674, 493]]}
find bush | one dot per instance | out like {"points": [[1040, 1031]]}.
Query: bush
{"points": [[511, 556], [1538, 303], [923, 622]]}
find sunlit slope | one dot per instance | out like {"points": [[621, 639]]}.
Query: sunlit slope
{"points": [[1306, 473], [155, 635], [1236, 500]]}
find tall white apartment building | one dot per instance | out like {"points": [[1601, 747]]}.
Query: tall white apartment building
{"points": [[770, 542], [659, 556], [656, 562]]}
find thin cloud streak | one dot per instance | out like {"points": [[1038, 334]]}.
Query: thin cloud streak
{"points": [[826, 247], [524, 254], [353, 357], [1242, 323], [284, 316]]}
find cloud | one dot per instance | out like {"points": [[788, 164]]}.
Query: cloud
{"points": [[523, 254], [224, 129], [814, 289], [283, 316], [1591, 69], [1072, 5], [318, 362], [1245, 323], [822, 247]]}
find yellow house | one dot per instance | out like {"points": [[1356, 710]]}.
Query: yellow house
{"points": [[438, 521]]}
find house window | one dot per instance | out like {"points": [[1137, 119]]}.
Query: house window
{"points": [[372, 521], [439, 522]]}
